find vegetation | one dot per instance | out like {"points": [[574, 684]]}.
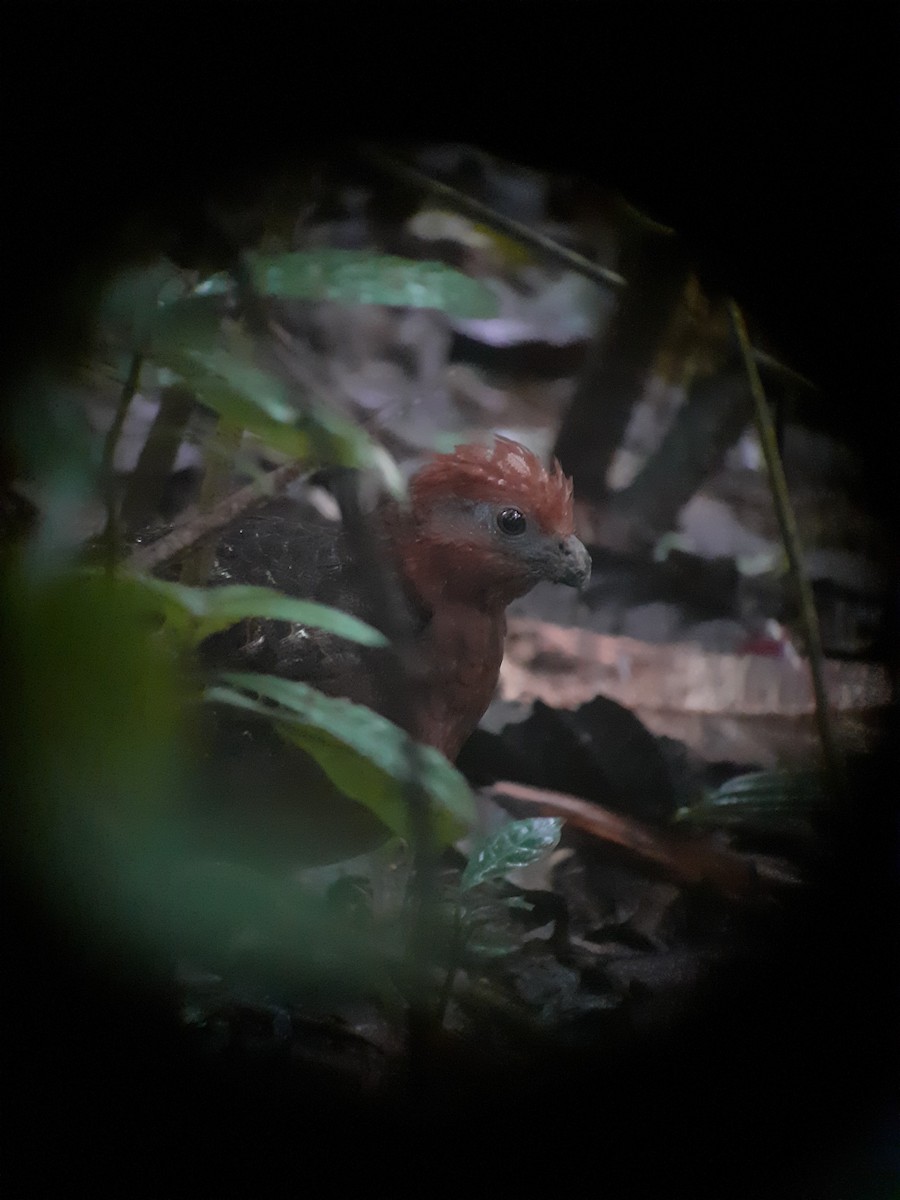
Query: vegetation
{"points": [[101, 655]]}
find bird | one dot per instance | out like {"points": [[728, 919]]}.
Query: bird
{"points": [[480, 526]]}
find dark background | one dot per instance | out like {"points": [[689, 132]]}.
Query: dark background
{"points": [[767, 136]]}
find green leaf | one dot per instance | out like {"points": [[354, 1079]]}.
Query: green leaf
{"points": [[360, 277], [515, 845], [131, 302], [209, 900], [226, 605], [262, 389], [56, 451], [202, 611], [152, 312], [193, 321], [98, 701], [220, 284], [369, 758], [485, 946], [760, 798], [246, 396], [257, 401]]}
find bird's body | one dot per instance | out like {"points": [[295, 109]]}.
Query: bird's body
{"points": [[482, 526], [288, 546]]}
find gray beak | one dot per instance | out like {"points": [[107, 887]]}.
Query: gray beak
{"points": [[571, 563]]}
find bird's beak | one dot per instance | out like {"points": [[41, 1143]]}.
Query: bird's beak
{"points": [[572, 563]]}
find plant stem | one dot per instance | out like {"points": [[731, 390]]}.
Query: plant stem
{"points": [[790, 536], [112, 531], [482, 212], [456, 943], [220, 452]]}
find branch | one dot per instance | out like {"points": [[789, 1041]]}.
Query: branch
{"points": [[483, 212], [198, 524], [220, 450], [389, 164]]}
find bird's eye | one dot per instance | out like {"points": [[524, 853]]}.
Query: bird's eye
{"points": [[510, 521]]}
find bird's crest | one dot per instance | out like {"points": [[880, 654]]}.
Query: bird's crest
{"points": [[506, 472]]}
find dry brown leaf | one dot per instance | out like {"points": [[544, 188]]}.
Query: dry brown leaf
{"points": [[688, 859]]}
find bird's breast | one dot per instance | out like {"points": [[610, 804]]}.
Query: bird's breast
{"points": [[465, 653]]}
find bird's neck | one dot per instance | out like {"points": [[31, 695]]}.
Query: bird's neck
{"points": [[463, 598], [465, 650]]}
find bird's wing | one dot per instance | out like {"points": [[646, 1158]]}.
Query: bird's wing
{"points": [[287, 545], [263, 797]]}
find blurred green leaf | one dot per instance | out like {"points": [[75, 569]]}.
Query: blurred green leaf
{"points": [[99, 702], [152, 312], [100, 789], [221, 284], [56, 451], [230, 916], [193, 321], [251, 383], [515, 845], [200, 612], [361, 277], [255, 400], [366, 756], [761, 799], [246, 396], [130, 305], [221, 906]]}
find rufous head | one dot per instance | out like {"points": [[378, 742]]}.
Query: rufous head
{"points": [[506, 472], [487, 523]]}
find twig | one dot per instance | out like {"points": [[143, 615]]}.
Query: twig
{"points": [[290, 356], [791, 539], [484, 212], [523, 233], [456, 945], [220, 450], [197, 525]]}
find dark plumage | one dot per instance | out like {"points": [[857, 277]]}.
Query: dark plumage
{"points": [[482, 526]]}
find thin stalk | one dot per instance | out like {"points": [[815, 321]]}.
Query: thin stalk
{"points": [[220, 452], [552, 249], [791, 538], [112, 533], [483, 212], [456, 945]]}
